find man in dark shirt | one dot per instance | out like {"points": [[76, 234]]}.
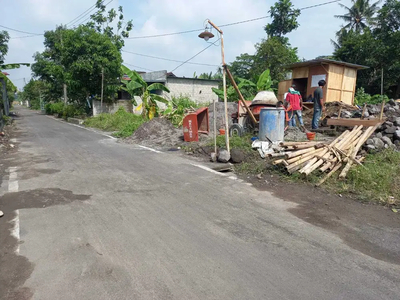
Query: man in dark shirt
{"points": [[319, 104]]}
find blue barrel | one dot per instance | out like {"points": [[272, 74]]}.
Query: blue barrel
{"points": [[272, 124]]}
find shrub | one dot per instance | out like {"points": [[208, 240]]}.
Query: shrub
{"points": [[177, 109], [362, 97], [122, 122]]}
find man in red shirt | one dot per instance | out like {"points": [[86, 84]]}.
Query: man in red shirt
{"points": [[293, 98]]}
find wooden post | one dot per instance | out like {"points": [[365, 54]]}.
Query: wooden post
{"points": [[240, 95], [65, 93], [102, 89], [224, 86], [363, 111]]}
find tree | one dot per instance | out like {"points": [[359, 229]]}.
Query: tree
{"points": [[102, 22], [36, 91], [273, 54], [284, 19], [378, 49], [77, 57], [242, 66], [4, 38], [360, 15], [136, 86]]}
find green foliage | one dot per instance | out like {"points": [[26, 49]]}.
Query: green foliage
{"points": [[378, 180], [362, 98], [235, 142], [102, 22], [36, 91], [360, 15], [56, 108], [178, 108], [11, 90], [77, 58], [376, 48], [122, 122], [274, 54], [4, 38], [7, 120], [264, 83], [284, 19], [136, 86], [242, 66], [247, 87]]}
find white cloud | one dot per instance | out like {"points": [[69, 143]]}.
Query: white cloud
{"points": [[152, 17]]}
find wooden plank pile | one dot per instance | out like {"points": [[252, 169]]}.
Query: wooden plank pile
{"points": [[307, 157]]}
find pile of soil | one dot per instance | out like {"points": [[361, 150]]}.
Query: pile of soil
{"points": [[294, 134], [158, 132]]}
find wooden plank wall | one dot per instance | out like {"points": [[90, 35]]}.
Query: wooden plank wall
{"points": [[283, 87], [317, 70], [341, 84]]}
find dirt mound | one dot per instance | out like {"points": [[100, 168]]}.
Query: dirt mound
{"points": [[158, 132]]}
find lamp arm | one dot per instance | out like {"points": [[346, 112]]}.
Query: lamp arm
{"points": [[215, 26]]}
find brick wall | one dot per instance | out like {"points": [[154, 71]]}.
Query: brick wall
{"points": [[198, 90]]}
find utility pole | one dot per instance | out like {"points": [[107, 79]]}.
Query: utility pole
{"points": [[102, 88], [65, 93]]}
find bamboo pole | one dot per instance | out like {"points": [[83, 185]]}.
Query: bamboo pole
{"points": [[297, 158], [337, 167], [240, 94], [303, 160], [361, 141], [299, 152], [284, 144]]}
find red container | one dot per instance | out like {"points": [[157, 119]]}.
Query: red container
{"points": [[310, 136], [195, 123]]}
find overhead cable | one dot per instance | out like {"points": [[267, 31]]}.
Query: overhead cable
{"points": [[224, 25], [198, 53], [167, 59]]}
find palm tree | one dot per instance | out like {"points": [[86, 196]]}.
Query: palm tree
{"points": [[359, 16]]}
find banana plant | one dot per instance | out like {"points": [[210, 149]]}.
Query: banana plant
{"points": [[136, 86], [265, 82]]}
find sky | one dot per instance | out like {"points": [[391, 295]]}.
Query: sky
{"points": [[152, 17]]}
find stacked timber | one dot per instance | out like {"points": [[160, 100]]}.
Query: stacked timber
{"points": [[307, 157]]}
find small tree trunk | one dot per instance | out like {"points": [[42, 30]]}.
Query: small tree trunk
{"points": [[65, 93]]}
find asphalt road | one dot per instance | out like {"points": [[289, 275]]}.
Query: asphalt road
{"points": [[87, 217]]}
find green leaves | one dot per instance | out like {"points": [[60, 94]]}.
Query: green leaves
{"points": [[264, 83], [158, 86], [136, 86], [284, 19]]}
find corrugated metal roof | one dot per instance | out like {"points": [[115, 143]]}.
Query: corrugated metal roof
{"points": [[320, 61]]}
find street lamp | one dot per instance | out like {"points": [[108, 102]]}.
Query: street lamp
{"points": [[206, 35]]}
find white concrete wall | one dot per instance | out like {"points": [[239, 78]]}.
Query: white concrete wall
{"points": [[111, 107], [198, 90]]}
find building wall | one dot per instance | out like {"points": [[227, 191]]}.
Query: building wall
{"points": [[111, 107], [197, 90]]}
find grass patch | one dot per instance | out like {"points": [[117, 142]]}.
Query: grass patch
{"points": [[235, 142], [378, 180], [122, 122]]}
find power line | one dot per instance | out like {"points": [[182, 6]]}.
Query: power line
{"points": [[198, 53], [90, 8], [138, 67], [87, 14], [167, 59], [16, 30], [224, 25], [40, 34]]}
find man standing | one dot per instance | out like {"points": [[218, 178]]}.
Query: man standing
{"points": [[319, 104], [293, 98]]}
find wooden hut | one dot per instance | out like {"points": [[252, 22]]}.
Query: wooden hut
{"points": [[340, 79]]}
